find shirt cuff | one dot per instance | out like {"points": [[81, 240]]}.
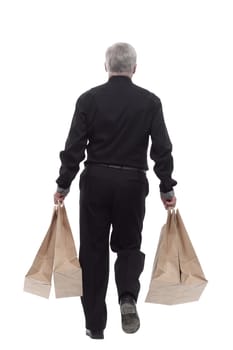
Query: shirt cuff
{"points": [[63, 191], [168, 195]]}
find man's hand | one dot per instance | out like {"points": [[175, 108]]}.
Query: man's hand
{"points": [[60, 195], [58, 198], [168, 199], [169, 203]]}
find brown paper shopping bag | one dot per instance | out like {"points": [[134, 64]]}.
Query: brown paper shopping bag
{"points": [[38, 279], [177, 276], [57, 254], [67, 270]]}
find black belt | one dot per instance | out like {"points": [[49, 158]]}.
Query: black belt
{"points": [[119, 167]]}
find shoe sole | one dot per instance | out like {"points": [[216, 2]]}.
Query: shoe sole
{"points": [[101, 336], [131, 328], [129, 318]]}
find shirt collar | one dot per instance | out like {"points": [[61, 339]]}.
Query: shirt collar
{"points": [[114, 78]]}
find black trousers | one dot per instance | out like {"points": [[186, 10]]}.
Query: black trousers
{"points": [[110, 198]]}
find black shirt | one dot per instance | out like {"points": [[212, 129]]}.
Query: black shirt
{"points": [[113, 122]]}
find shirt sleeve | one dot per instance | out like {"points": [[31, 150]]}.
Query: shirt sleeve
{"points": [[161, 149], [75, 146]]}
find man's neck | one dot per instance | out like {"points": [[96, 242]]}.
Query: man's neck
{"points": [[128, 75]]}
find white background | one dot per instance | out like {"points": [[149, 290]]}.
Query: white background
{"points": [[51, 52]]}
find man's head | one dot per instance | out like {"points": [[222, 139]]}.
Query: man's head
{"points": [[121, 59]]}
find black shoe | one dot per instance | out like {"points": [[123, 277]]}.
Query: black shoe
{"points": [[129, 316], [95, 334]]}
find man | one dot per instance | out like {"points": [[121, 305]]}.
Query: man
{"points": [[113, 122]]}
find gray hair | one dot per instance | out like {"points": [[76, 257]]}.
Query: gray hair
{"points": [[121, 58]]}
